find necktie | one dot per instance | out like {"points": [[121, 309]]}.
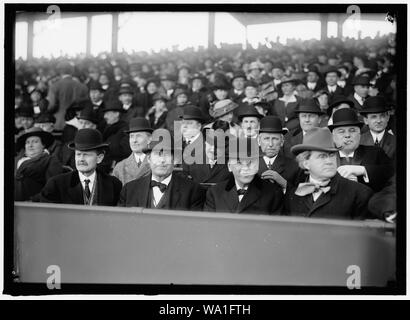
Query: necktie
{"points": [[87, 188], [306, 188], [377, 143], [241, 192], [344, 161], [162, 186], [270, 165], [139, 162]]}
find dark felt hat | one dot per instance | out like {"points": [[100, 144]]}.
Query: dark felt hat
{"points": [[332, 69], [238, 74], [345, 117], [88, 114], [375, 104], [168, 77], [25, 110], [291, 79], [248, 111], [309, 106], [46, 137], [45, 118], [251, 83], [191, 112], [125, 88], [221, 84], [316, 139], [159, 96], [272, 124], [88, 139], [139, 124], [114, 105], [95, 85], [361, 80]]}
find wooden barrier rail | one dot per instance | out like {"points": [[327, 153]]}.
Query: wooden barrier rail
{"points": [[143, 246]]}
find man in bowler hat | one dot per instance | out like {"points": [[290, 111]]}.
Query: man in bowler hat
{"points": [[163, 188], [325, 194], [86, 185], [244, 191], [368, 165]]}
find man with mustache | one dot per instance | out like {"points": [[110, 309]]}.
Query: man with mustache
{"points": [[249, 119], [86, 185], [244, 191], [326, 194], [368, 165]]}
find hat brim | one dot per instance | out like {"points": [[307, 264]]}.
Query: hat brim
{"points": [[46, 137], [345, 124], [72, 146], [295, 81], [339, 74], [240, 117], [349, 102], [113, 109], [310, 111], [201, 120], [150, 130], [305, 147], [217, 114], [267, 130]]}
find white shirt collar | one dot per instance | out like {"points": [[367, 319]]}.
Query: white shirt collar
{"points": [[311, 85], [98, 103], [139, 157], [379, 136], [126, 106], [91, 178], [166, 181], [238, 187], [194, 137], [358, 98], [276, 81], [269, 160], [350, 155], [332, 88], [292, 98]]}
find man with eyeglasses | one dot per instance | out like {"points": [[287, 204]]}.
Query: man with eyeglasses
{"points": [[325, 194], [244, 191], [365, 164]]}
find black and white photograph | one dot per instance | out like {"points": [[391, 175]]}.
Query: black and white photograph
{"points": [[252, 149]]}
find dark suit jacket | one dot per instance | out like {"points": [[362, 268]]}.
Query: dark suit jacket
{"points": [[290, 141], [378, 165], [67, 188], [339, 91], [181, 194], [345, 200], [119, 147], [235, 97], [388, 143], [262, 197], [202, 173], [286, 167], [286, 113]]}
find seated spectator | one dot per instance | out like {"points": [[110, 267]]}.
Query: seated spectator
{"points": [[249, 119], [136, 165], [368, 165], [339, 102], [274, 166], [237, 93], [35, 165], [130, 109], [332, 75], [86, 185], [244, 191], [376, 116], [157, 114], [162, 188], [383, 204], [46, 123], [325, 194], [223, 111]]}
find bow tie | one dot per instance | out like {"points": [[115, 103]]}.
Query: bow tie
{"points": [[162, 186], [309, 188], [241, 192]]}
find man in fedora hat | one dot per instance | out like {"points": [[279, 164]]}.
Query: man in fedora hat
{"points": [[325, 194], [244, 191], [376, 116], [163, 188], [136, 165], [361, 87], [114, 134], [273, 165], [249, 119], [368, 165], [338, 102], [309, 114], [96, 94], [86, 185]]}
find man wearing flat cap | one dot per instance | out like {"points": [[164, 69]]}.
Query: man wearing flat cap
{"points": [[368, 165], [136, 165], [86, 185], [376, 116], [309, 114], [163, 188], [274, 166], [244, 191], [325, 194]]}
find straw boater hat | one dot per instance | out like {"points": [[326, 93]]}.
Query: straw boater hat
{"points": [[88, 139], [222, 108], [46, 137], [316, 139]]}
